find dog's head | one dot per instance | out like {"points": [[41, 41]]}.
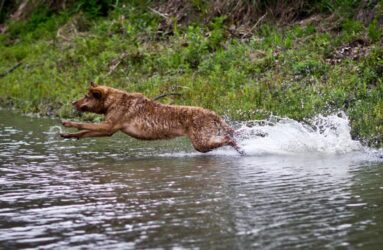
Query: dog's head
{"points": [[93, 101]]}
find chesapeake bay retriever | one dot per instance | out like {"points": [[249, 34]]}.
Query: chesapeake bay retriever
{"points": [[145, 119]]}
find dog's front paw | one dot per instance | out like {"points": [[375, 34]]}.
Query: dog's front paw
{"points": [[66, 136], [67, 123]]}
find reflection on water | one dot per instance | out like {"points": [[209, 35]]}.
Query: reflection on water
{"points": [[110, 193]]}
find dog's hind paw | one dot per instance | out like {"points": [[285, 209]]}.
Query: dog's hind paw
{"points": [[240, 151]]}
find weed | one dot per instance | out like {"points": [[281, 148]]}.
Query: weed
{"points": [[374, 31]]}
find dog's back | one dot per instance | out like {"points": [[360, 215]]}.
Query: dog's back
{"points": [[160, 121]]}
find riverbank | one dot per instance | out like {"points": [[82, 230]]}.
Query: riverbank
{"points": [[320, 64]]}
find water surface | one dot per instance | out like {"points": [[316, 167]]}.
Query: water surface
{"points": [[109, 193]]}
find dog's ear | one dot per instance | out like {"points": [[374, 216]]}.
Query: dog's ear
{"points": [[93, 85], [97, 93]]}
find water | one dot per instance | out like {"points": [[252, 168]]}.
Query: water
{"points": [[299, 187]]}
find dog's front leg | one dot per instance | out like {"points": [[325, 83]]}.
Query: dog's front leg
{"points": [[69, 124], [105, 127], [86, 133], [90, 129]]}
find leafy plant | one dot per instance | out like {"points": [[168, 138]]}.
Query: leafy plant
{"points": [[374, 31]]}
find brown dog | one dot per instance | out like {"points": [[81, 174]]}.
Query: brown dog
{"points": [[142, 118]]}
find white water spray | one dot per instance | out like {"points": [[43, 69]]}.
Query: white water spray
{"points": [[324, 134], [53, 133]]}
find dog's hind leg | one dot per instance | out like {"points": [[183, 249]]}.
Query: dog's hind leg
{"points": [[234, 144], [228, 130], [203, 144]]}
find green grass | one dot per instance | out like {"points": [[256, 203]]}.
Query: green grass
{"points": [[285, 72]]}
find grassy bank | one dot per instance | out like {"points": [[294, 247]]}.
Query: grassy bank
{"points": [[324, 63]]}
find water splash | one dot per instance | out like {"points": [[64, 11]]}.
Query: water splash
{"points": [[323, 134], [330, 135], [53, 133]]}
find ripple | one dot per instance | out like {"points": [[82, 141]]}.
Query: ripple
{"points": [[116, 192]]}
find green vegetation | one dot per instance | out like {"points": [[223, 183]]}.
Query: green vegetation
{"points": [[319, 65]]}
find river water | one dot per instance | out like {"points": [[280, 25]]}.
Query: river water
{"points": [[299, 187]]}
